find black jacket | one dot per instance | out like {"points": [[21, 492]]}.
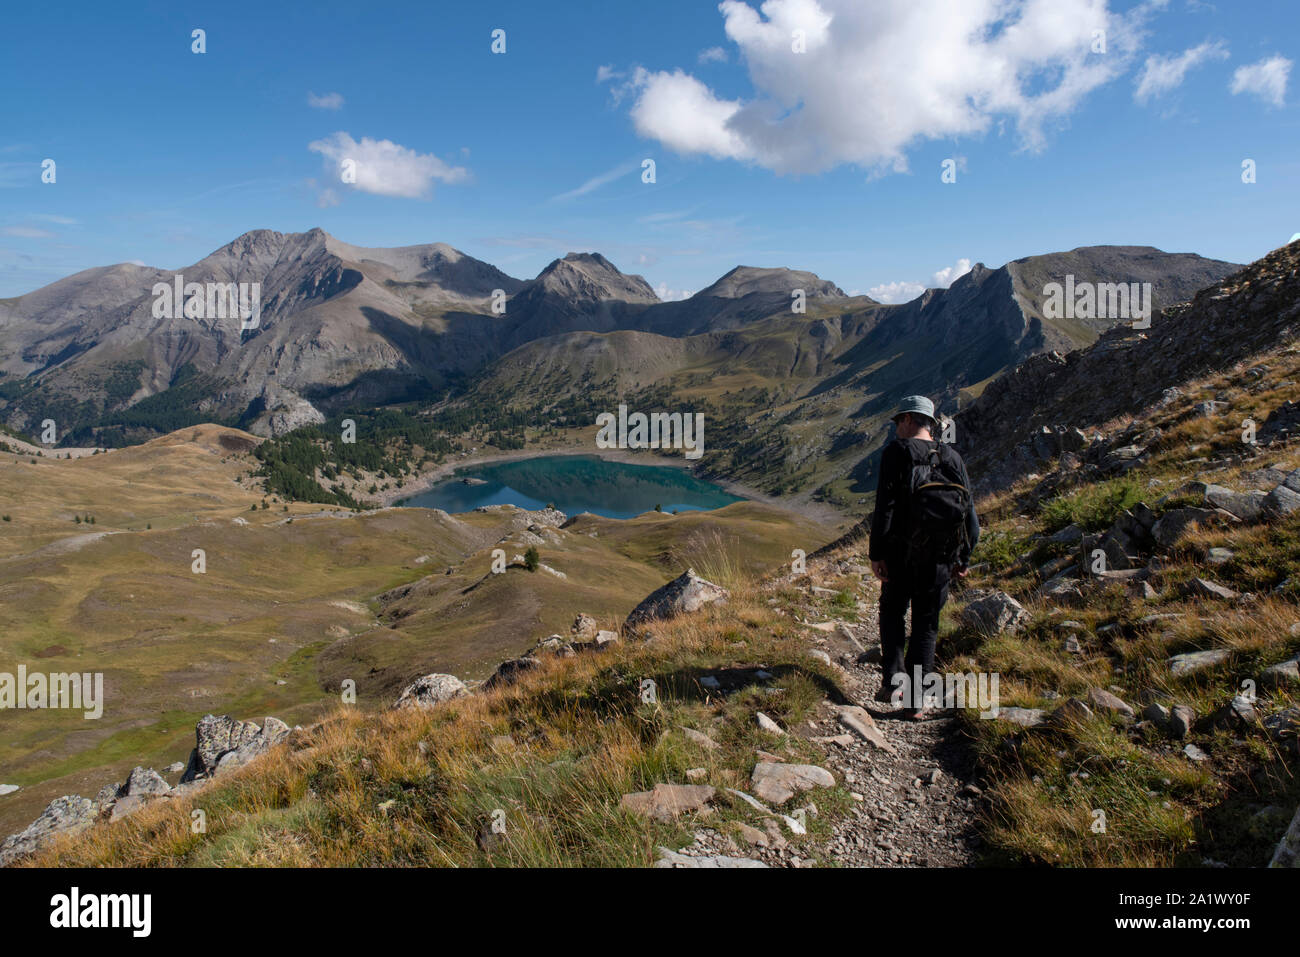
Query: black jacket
{"points": [[892, 489]]}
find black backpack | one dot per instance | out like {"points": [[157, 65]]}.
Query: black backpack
{"points": [[934, 529]]}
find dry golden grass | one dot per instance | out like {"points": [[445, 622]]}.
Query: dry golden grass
{"points": [[553, 753], [1160, 809]]}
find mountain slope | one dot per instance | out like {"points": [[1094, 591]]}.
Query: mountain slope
{"points": [[1126, 370]]}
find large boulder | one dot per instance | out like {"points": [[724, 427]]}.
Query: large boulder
{"points": [[994, 612], [430, 691], [684, 594], [64, 815], [219, 737], [141, 786], [1283, 500], [1176, 523], [509, 671], [1244, 505]]}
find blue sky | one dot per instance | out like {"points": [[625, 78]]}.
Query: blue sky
{"points": [[827, 158]]}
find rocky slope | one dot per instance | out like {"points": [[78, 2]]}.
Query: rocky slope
{"points": [[1027, 414]]}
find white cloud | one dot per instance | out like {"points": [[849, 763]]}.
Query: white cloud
{"points": [[1267, 79], [597, 181], [607, 72], [684, 115], [902, 291], [878, 77], [329, 101], [672, 295], [949, 274], [892, 292], [1161, 74], [713, 55], [383, 167]]}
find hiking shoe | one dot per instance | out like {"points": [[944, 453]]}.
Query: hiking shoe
{"points": [[885, 695]]}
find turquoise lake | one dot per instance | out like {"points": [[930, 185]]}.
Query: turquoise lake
{"points": [[573, 484]]}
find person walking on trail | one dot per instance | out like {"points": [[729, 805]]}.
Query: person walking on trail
{"points": [[922, 533]]}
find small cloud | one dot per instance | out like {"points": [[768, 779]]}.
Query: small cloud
{"points": [[598, 181], [383, 167], [1266, 79], [893, 292], [672, 295], [606, 73], [26, 232], [330, 101], [57, 220], [713, 55], [327, 198], [947, 276], [1161, 74]]}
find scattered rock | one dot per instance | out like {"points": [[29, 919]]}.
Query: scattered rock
{"points": [[1177, 523], [994, 612], [1072, 710], [1283, 674], [667, 801], [69, 814], [1196, 661], [1205, 588], [430, 691], [669, 858], [1157, 714], [700, 738], [859, 721], [768, 725], [143, 782], [1181, 719], [686, 593], [508, 672], [1287, 853], [1243, 505], [1105, 701], [1281, 501], [272, 732], [1025, 717], [777, 782]]}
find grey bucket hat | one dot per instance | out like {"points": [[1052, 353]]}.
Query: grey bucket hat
{"points": [[917, 404]]}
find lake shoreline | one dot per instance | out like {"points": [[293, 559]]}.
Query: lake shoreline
{"points": [[818, 512]]}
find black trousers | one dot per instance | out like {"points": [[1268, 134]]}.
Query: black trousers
{"points": [[925, 589]]}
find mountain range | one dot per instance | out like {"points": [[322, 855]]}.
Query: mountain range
{"points": [[344, 327]]}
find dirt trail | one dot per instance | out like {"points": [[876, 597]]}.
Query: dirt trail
{"points": [[915, 800], [920, 802]]}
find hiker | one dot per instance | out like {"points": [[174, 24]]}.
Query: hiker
{"points": [[922, 533]]}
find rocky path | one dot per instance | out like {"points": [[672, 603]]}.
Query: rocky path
{"points": [[919, 799], [915, 795]]}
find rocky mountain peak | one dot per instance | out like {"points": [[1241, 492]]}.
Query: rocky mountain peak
{"points": [[747, 280], [590, 277]]}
